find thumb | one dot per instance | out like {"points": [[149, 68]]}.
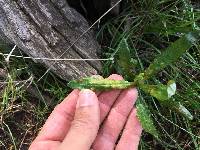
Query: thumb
{"points": [[86, 122]]}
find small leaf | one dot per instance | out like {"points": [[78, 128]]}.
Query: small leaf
{"points": [[172, 53], [144, 116], [171, 88], [99, 84], [160, 91], [124, 63]]}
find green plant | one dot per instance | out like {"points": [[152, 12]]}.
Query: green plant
{"points": [[162, 92], [148, 27]]}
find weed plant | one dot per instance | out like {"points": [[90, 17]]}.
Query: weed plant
{"points": [[149, 27]]}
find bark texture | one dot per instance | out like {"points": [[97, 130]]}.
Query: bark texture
{"points": [[47, 28]]}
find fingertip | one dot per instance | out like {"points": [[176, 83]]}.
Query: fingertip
{"points": [[115, 77], [74, 93], [87, 92], [87, 98], [97, 76], [132, 92]]}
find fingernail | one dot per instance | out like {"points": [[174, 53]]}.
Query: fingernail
{"points": [[86, 98]]}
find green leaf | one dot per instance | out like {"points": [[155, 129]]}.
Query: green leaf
{"points": [[144, 116], [94, 83], [160, 91], [172, 53], [124, 63], [171, 88]]}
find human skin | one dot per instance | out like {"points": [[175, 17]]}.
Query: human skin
{"points": [[92, 120]]}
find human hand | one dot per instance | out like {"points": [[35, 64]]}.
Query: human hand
{"points": [[74, 123]]}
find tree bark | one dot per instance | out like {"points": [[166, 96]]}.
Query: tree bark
{"points": [[47, 29]]}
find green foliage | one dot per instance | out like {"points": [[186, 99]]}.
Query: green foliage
{"points": [[172, 53], [125, 65], [178, 107], [149, 27], [160, 91], [144, 115], [11, 91]]}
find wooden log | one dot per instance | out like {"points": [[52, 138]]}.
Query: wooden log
{"points": [[47, 29]]}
